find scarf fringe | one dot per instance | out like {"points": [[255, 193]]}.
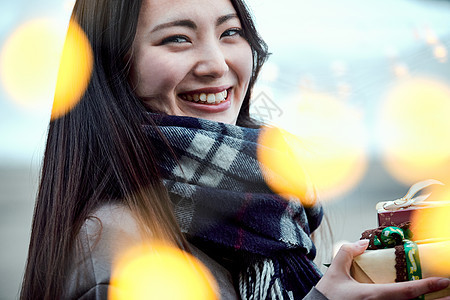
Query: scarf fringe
{"points": [[259, 281], [290, 277], [262, 281]]}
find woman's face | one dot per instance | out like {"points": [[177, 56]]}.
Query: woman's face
{"points": [[190, 59]]}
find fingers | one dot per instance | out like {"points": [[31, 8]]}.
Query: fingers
{"points": [[338, 283], [412, 289], [343, 259]]}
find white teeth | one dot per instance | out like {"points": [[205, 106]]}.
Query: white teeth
{"points": [[207, 98], [220, 96], [211, 98]]}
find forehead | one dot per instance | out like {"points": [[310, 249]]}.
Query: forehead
{"points": [[154, 11]]}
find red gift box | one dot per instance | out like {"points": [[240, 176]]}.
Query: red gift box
{"points": [[394, 218], [397, 217], [394, 213]]}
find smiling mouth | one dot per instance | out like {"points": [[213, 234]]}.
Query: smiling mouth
{"points": [[206, 98]]}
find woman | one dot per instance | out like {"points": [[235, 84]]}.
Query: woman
{"points": [[128, 162]]}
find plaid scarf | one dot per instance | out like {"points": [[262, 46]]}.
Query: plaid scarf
{"points": [[224, 207]]}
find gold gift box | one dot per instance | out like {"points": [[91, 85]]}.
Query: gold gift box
{"points": [[378, 266]]}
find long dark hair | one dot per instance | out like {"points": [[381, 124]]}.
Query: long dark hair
{"points": [[260, 55], [98, 152]]}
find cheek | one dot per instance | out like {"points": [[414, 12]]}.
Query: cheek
{"points": [[244, 64], [154, 74]]}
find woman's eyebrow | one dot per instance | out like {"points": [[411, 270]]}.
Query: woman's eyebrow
{"points": [[225, 18], [190, 24], [177, 23]]}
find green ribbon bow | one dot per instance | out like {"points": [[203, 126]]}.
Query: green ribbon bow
{"points": [[393, 236]]}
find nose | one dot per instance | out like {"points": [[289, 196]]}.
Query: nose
{"points": [[212, 62]]}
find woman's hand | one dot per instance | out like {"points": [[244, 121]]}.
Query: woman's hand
{"points": [[338, 284]]}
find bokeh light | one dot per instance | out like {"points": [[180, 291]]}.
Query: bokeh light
{"points": [[74, 71], [327, 153], [440, 52], [159, 271], [433, 221], [414, 130], [433, 224], [400, 69], [431, 37], [29, 63], [38, 66], [435, 259], [282, 165]]}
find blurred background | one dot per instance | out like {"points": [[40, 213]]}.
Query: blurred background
{"points": [[365, 85]]}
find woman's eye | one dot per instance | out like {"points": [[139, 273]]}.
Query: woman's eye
{"points": [[232, 32], [176, 39]]}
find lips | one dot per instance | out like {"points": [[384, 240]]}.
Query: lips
{"points": [[205, 98]]}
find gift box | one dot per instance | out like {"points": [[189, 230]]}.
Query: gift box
{"points": [[394, 218], [397, 257], [400, 216], [394, 213], [378, 266]]}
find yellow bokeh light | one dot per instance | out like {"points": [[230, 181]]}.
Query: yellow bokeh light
{"points": [[29, 62], [282, 166], [400, 70], [35, 59], [326, 151], [414, 130], [159, 271], [433, 224], [431, 37], [74, 71], [440, 52]]}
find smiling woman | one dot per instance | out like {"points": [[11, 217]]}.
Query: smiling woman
{"points": [[189, 63], [150, 58], [160, 155]]}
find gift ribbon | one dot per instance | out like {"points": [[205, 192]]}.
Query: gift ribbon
{"points": [[413, 268], [409, 199], [392, 236]]}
